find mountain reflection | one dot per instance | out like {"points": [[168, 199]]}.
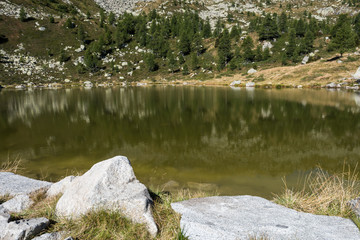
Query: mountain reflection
{"points": [[220, 132]]}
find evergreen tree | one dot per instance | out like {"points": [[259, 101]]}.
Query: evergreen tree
{"points": [[88, 15], [300, 28], [91, 61], [181, 59], [171, 61], [81, 33], [111, 18], [150, 62], [308, 41], [52, 19], [235, 33], [197, 45], [357, 24], [247, 46], [22, 14], [283, 24], [258, 54], [185, 70], [206, 33], [344, 40], [141, 32], [291, 47], [194, 61], [218, 28], [266, 54], [121, 36], [224, 49], [69, 24], [102, 18], [269, 29], [185, 44]]}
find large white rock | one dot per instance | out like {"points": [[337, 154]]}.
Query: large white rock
{"points": [[305, 60], [357, 74], [110, 184], [239, 217], [60, 187], [251, 71], [18, 204], [12, 184]]}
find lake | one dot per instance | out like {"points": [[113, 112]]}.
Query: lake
{"points": [[234, 141]]}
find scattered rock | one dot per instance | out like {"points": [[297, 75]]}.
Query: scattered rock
{"points": [[355, 206], [250, 85], [331, 85], [60, 187], [42, 29], [305, 60], [13, 184], [240, 217], [356, 76], [88, 84], [51, 236], [251, 71], [238, 82], [110, 184], [24, 229], [18, 204]]}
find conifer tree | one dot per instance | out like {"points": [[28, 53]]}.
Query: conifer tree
{"points": [[22, 14], [224, 49], [185, 44], [171, 61], [185, 70], [258, 54], [266, 54], [150, 62], [300, 28], [111, 18], [206, 33], [247, 46], [344, 39], [283, 24], [269, 29], [81, 33], [290, 48], [194, 61]]}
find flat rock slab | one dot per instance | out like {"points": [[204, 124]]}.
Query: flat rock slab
{"points": [[243, 217], [13, 184], [23, 229]]}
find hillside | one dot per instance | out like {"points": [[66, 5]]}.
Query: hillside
{"points": [[112, 41]]}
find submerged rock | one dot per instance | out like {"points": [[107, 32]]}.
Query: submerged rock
{"points": [[242, 217], [112, 185], [13, 184]]}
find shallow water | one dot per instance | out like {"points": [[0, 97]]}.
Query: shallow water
{"points": [[235, 141]]}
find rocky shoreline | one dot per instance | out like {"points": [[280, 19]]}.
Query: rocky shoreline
{"points": [[112, 185]]}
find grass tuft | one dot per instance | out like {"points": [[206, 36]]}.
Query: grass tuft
{"points": [[323, 193], [12, 165]]}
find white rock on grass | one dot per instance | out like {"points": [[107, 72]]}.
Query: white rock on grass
{"points": [[305, 60], [24, 229], [251, 71], [18, 204], [60, 187], [112, 185], [238, 82], [13, 184], [51, 236], [357, 74], [240, 217]]}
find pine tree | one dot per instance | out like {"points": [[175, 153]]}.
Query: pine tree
{"points": [[194, 61], [300, 28], [111, 18], [150, 62], [247, 46], [102, 18], [181, 59], [185, 44], [171, 61], [206, 33], [52, 19], [218, 28], [308, 41], [283, 24], [224, 49], [22, 14], [185, 70], [269, 29], [290, 48], [344, 40], [258, 54], [266, 54], [197, 45], [91, 61], [81, 33], [235, 33], [121, 37]]}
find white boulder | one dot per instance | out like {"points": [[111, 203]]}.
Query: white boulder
{"points": [[305, 60], [250, 85], [247, 217], [60, 187], [24, 229], [357, 74], [18, 204], [238, 82], [251, 71], [112, 185]]}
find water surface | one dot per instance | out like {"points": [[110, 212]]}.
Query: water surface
{"points": [[236, 141]]}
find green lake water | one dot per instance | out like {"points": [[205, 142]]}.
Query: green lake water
{"points": [[234, 141]]}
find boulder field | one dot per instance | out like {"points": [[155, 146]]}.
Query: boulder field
{"points": [[112, 185]]}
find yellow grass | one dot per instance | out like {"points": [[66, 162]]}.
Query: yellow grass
{"points": [[323, 193], [12, 165]]}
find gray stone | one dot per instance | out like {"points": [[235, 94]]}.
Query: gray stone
{"points": [[305, 60], [238, 82], [110, 184], [4, 215], [331, 85], [240, 217], [250, 85], [251, 71], [59, 187], [355, 206], [18, 204], [13, 184], [24, 229], [356, 76], [51, 236]]}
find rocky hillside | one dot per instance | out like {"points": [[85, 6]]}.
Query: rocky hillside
{"points": [[48, 40]]}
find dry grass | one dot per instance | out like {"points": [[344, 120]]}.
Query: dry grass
{"points": [[323, 193], [12, 165]]}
